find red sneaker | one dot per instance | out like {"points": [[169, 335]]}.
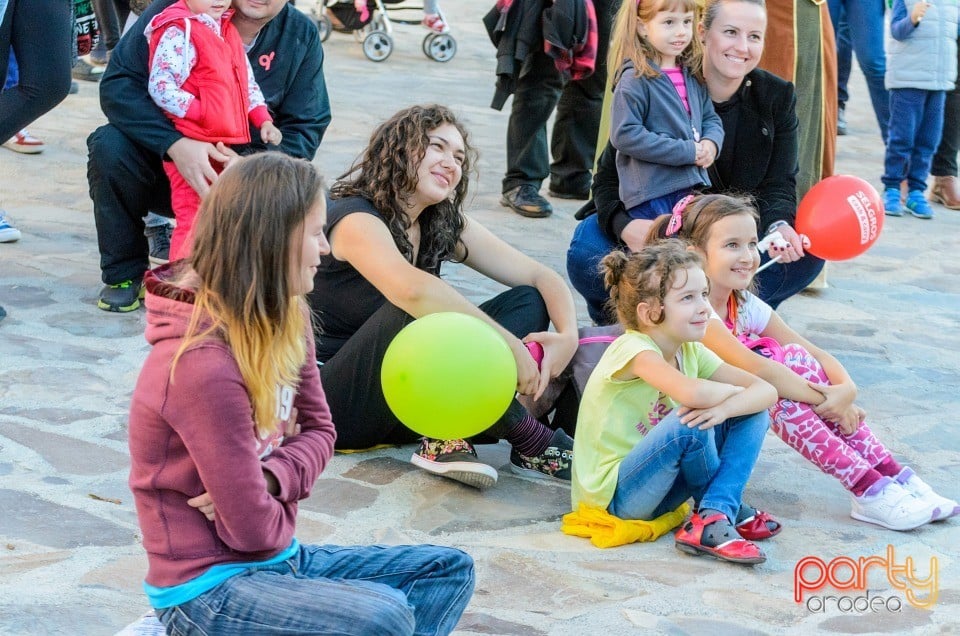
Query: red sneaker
{"points": [[731, 547], [24, 142]]}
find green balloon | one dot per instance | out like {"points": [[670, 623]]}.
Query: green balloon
{"points": [[448, 375]]}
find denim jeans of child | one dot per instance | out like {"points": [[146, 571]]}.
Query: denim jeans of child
{"points": [[916, 122], [417, 589], [674, 462]]}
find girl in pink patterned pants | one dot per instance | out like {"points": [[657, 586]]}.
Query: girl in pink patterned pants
{"points": [[816, 414]]}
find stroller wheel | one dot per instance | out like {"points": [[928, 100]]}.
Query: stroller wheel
{"points": [[324, 27], [377, 46], [439, 47]]}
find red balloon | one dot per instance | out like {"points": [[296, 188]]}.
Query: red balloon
{"points": [[842, 216]]}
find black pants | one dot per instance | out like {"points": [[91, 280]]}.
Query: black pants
{"points": [[351, 378], [111, 16], [126, 180], [41, 35], [579, 104], [945, 161]]}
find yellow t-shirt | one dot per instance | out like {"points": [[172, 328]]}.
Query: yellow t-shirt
{"points": [[616, 414]]}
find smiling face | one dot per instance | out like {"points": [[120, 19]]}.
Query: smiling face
{"points": [[733, 40], [670, 33], [308, 244], [440, 169], [731, 253], [686, 307], [213, 8]]}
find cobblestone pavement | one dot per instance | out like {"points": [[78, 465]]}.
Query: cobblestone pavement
{"points": [[70, 560]]}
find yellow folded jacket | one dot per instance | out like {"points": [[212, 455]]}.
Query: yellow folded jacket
{"points": [[606, 531]]}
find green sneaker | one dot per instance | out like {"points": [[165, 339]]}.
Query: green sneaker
{"points": [[122, 297]]}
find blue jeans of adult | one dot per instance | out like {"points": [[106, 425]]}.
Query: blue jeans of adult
{"points": [[864, 19], [419, 589], [916, 122], [589, 245], [674, 462]]}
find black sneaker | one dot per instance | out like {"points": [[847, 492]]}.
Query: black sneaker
{"points": [[454, 459], [158, 237], [526, 201], [122, 297], [553, 463]]}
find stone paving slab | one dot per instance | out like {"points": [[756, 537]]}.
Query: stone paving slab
{"points": [[72, 564]]}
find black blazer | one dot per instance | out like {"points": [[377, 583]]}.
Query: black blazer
{"points": [[765, 145]]}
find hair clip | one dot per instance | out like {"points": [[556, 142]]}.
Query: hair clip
{"points": [[676, 217]]}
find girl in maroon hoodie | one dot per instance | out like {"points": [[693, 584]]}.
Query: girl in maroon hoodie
{"points": [[229, 429]]}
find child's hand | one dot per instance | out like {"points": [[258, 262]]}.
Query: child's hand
{"points": [[851, 420], [838, 398], [204, 504], [706, 153], [558, 350], [703, 418], [919, 10], [528, 375], [270, 134]]}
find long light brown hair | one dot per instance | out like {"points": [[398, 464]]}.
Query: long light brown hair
{"points": [[245, 232], [626, 43]]}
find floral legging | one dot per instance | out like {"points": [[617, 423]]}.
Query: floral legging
{"points": [[846, 457]]}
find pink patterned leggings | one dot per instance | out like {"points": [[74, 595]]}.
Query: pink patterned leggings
{"points": [[847, 458]]}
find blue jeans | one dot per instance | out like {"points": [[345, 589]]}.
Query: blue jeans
{"points": [[361, 590], [844, 57], [916, 122], [589, 245], [650, 210], [673, 463], [864, 19]]}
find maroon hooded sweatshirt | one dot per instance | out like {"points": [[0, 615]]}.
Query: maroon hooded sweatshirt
{"points": [[196, 434]]}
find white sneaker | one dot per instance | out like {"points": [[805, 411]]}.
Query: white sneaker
{"points": [[892, 507], [945, 508], [8, 233]]}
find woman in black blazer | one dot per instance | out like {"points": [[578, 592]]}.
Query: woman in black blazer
{"points": [[758, 158]]}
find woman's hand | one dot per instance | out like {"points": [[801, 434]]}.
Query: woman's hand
{"points": [[838, 399], [558, 350], [528, 375], [793, 251], [204, 504], [703, 418]]}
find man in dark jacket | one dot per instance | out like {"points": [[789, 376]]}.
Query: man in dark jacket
{"points": [[124, 170]]}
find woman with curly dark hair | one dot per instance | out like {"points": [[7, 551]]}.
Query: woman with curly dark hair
{"points": [[394, 218]]}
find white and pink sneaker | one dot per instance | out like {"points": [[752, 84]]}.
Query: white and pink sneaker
{"points": [[944, 508]]}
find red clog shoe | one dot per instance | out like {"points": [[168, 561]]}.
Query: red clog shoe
{"points": [[733, 548], [757, 526]]}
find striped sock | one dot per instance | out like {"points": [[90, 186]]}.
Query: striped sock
{"points": [[529, 436]]}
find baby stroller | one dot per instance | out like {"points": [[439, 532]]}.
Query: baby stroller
{"points": [[375, 29]]}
